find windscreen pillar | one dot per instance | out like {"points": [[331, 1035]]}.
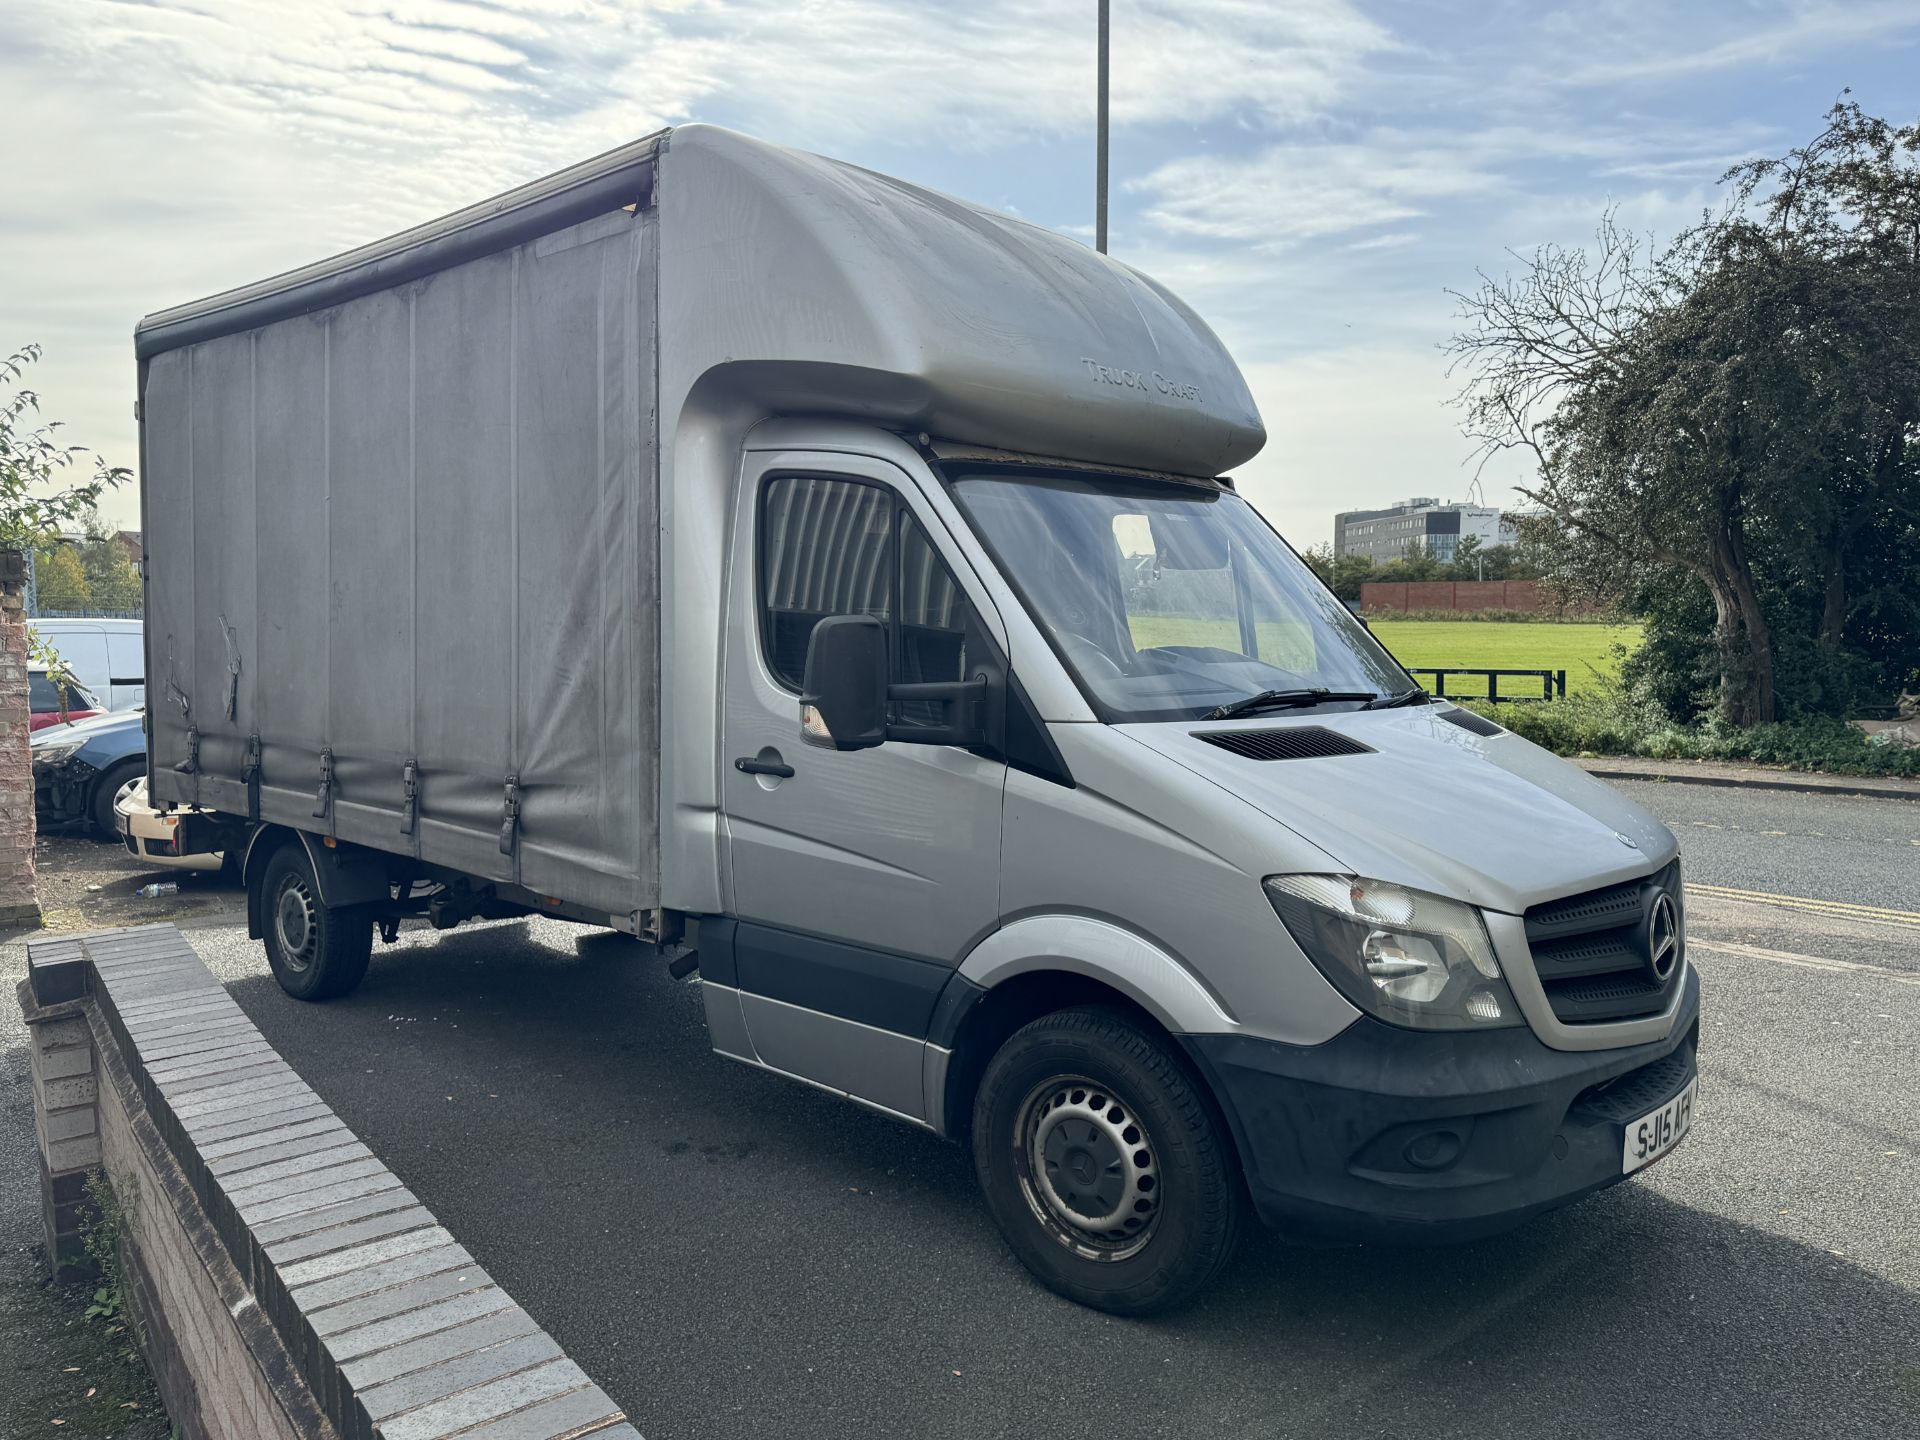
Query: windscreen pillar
{"points": [[19, 903]]}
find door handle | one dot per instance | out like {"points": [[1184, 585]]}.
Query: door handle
{"points": [[748, 765]]}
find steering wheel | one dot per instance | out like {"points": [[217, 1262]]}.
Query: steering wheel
{"points": [[1088, 658]]}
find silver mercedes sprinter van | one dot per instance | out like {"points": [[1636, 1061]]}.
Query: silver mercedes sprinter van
{"points": [[845, 587]]}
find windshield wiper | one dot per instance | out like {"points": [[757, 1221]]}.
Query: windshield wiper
{"points": [[1415, 696], [1282, 700]]}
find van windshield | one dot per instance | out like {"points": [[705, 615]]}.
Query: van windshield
{"points": [[1168, 601]]}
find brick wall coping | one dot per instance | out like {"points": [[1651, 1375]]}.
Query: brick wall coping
{"points": [[397, 1331]]}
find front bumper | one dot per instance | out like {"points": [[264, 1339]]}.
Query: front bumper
{"points": [[62, 791], [154, 838], [1426, 1137]]}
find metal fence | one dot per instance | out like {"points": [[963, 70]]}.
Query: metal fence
{"points": [[1552, 684]]}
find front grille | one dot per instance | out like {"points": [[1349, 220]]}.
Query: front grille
{"points": [[1590, 951], [1289, 742]]}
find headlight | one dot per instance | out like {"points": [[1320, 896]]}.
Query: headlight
{"points": [[1407, 957], [54, 753]]}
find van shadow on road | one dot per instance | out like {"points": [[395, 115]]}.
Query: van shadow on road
{"points": [[719, 1246]]}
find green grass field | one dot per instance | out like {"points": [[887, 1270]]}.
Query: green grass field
{"points": [[1580, 650]]}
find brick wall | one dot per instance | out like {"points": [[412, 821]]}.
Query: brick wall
{"points": [[284, 1284], [19, 904], [1380, 597]]}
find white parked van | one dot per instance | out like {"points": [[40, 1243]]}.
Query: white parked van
{"points": [[845, 587], [106, 656]]}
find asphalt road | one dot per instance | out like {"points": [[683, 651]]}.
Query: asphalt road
{"points": [[734, 1255]]}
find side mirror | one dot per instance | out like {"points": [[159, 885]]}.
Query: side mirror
{"points": [[845, 704]]}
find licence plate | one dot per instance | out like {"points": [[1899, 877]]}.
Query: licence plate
{"points": [[1654, 1134]]}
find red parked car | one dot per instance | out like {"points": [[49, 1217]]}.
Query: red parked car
{"points": [[45, 701]]}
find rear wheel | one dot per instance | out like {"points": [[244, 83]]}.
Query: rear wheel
{"points": [[317, 951], [1108, 1168]]}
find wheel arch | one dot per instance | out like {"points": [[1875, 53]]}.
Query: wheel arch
{"points": [[1047, 963], [344, 874], [124, 766]]}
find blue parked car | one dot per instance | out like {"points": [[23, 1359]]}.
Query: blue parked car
{"points": [[80, 769]]}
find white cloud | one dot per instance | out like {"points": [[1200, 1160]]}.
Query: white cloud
{"points": [[1357, 427], [1298, 192], [1317, 180], [1645, 43], [181, 146]]}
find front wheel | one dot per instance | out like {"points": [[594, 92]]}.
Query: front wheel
{"points": [[1107, 1167], [317, 951], [117, 784]]}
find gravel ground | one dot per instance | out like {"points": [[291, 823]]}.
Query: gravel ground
{"points": [[733, 1255]]}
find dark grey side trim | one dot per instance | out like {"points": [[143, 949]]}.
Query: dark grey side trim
{"points": [[594, 187], [871, 987], [956, 1002], [714, 940]]}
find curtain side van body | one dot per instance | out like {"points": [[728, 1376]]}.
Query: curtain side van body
{"points": [[834, 583]]}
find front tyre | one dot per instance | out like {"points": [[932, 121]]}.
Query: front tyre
{"points": [[1107, 1168], [108, 790], [317, 951]]}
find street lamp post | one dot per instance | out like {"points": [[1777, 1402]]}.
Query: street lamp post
{"points": [[1100, 145]]}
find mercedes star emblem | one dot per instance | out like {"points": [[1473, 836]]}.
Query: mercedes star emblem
{"points": [[1663, 937]]}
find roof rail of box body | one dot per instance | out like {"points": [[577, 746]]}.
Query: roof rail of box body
{"points": [[620, 177]]}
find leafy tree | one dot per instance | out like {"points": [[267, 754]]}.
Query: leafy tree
{"points": [[44, 485], [1728, 427], [111, 578], [1343, 574], [33, 463], [1495, 562], [1417, 563], [60, 580]]}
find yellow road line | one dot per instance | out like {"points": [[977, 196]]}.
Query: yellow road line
{"points": [[1837, 909], [1807, 962]]}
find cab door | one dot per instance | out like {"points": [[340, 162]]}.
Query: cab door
{"points": [[859, 879]]}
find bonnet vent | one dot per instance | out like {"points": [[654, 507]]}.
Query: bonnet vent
{"points": [[1291, 742], [1467, 720]]}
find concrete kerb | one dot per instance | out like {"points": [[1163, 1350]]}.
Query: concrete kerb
{"points": [[1742, 778], [382, 1313]]}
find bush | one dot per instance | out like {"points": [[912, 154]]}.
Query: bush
{"points": [[1614, 721]]}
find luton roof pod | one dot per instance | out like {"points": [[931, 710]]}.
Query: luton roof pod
{"points": [[927, 313], [824, 287]]}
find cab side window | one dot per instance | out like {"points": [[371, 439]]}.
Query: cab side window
{"points": [[845, 547], [931, 641], [826, 548]]}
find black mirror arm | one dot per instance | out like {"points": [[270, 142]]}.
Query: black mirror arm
{"points": [[964, 704]]}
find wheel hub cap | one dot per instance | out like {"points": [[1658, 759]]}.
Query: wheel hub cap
{"points": [[1089, 1170], [293, 923]]}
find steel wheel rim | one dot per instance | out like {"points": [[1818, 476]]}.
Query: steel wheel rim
{"points": [[1088, 1168], [296, 924]]}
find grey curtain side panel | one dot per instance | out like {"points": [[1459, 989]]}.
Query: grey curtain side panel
{"points": [[421, 527]]}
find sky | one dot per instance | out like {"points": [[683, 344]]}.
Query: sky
{"points": [[1312, 175]]}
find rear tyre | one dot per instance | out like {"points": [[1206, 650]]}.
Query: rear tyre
{"points": [[317, 951], [107, 789], [1108, 1169]]}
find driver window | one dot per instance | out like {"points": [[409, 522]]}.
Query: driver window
{"points": [[931, 638], [826, 548], [830, 546]]}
